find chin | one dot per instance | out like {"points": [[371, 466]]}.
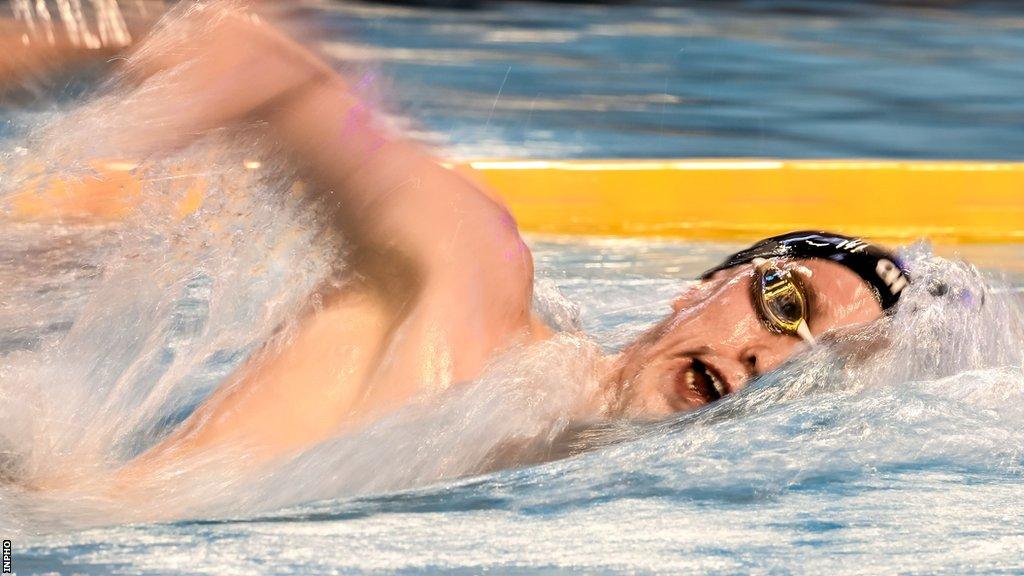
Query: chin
{"points": [[636, 394]]}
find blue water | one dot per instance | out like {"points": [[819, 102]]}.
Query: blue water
{"points": [[754, 78], [910, 460]]}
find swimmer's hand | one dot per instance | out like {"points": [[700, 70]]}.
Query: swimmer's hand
{"points": [[35, 49]]}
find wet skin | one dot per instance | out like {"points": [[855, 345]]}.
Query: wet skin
{"points": [[714, 342], [442, 281]]}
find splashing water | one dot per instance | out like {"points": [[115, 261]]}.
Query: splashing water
{"points": [[905, 436], [113, 332], [132, 324]]}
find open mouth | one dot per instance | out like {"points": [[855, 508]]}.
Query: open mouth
{"points": [[698, 384]]}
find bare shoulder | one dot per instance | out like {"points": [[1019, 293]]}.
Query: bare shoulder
{"points": [[488, 261]]}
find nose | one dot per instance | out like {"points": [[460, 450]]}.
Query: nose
{"points": [[763, 353]]}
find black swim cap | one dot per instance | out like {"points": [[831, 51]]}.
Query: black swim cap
{"points": [[881, 269]]}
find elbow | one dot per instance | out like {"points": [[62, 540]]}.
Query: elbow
{"points": [[504, 257]]}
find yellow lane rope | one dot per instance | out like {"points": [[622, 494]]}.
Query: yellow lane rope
{"points": [[733, 199]]}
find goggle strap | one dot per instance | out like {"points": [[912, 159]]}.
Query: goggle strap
{"points": [[879, 268], [804, 332]]}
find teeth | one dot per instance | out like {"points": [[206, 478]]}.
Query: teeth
{"points": [[718, 385], [698, 370], [690, 380]]}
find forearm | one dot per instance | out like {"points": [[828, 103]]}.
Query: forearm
{"points": [[381, 186], [386, 191]]}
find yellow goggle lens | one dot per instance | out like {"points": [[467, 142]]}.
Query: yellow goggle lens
{"points": [[779, 298]]}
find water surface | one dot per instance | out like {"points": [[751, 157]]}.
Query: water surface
{"points": [[907, 460]]}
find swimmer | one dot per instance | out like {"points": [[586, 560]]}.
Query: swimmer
{"points": [[439, 280]]}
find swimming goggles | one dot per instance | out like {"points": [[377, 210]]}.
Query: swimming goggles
{"points": [[780, 299]]}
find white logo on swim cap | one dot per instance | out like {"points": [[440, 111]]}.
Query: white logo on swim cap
{"points": [[891, 275], [853, 245]]}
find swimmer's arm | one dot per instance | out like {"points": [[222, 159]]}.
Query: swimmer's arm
{"points": [[473, 273], [392, 193], [450, 271], [385, 191], [452, 243]]}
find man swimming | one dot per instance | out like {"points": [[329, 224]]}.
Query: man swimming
{"points": [[439, 280]]}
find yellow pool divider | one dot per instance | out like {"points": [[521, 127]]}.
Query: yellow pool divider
{"points": [[747, 198], [727, 199]]}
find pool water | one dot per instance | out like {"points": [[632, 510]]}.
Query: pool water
{"points": [[910, 460], [787, 78], [906, 459]]}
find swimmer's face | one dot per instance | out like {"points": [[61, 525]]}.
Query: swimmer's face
{"points": [[714, 341]]}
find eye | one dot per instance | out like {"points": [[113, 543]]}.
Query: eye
{"points": [[786, 305], [780, 300]]}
